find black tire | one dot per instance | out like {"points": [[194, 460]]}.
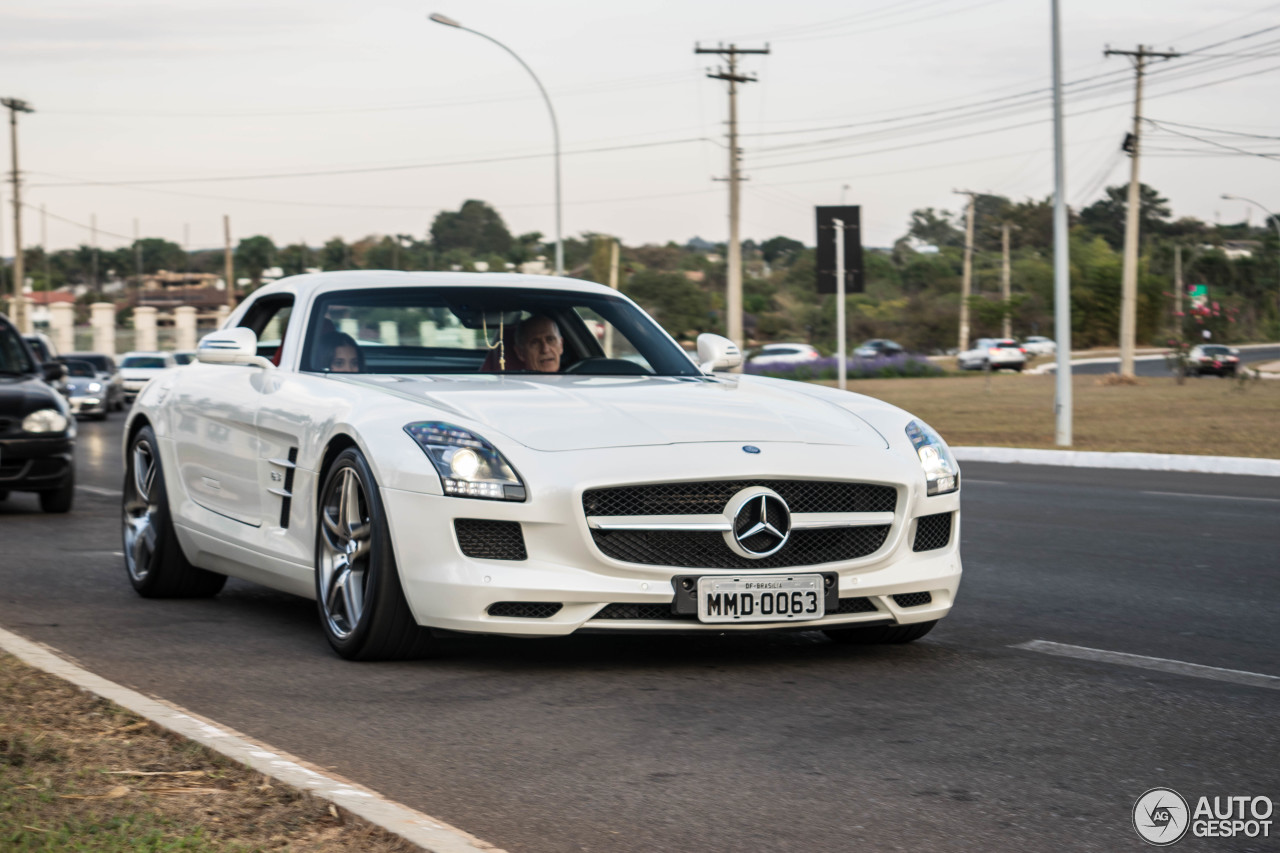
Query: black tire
{"points": [[363, 611], [4, 496], [60, 499], [154, 561], [878, 635]]}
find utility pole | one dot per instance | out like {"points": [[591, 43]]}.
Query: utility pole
{"points": [[1062, 392], [841, 373], [230, 267], [93, 239], [1177, 290], [137, 255], [1129, 282], [966, 281], [1006, 292], [733, 300], [15, 106], [44, 248]]}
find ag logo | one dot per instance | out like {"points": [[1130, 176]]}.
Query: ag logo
{"points": [[1161, 816]]}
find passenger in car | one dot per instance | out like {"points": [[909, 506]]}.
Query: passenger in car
{"points": [[339, 353], [539, 345]]}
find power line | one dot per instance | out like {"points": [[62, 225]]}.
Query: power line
{"points": [[1210, 142]]}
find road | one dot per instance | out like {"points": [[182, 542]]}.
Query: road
{"points": [[961, 741], [1156, 366]]}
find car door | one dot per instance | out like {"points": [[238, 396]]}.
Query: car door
{"points": [[215, 409]]}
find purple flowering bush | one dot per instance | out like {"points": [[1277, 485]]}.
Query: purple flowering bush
{"points": [[881, 367]]}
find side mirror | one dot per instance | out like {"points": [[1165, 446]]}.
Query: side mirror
{"points": [[231, 346], [53, 371], [717, 353]]}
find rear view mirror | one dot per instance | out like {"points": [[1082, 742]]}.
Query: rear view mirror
{"points": [[54, 371], [717, 353], [231, 346]]}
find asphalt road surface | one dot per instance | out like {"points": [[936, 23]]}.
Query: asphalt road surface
{"points": [[1148, 366], [962, 741]]}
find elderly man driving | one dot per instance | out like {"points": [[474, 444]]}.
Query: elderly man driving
{"points": [[539, 345]]}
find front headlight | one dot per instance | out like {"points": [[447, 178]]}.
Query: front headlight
{"points": [[469, 466], [45, 420], [940, 469], [95, 387]]}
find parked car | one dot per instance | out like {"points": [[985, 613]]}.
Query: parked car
{"points": [[139, 368], [104, 367], [445, 485], [1214, 359], [995, 353], [86, 393], [47, 353], [37, 432], [1039, 345], [783, 354], [877, 347]]}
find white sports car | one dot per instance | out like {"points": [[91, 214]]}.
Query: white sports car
{"points": [[531, 456]]}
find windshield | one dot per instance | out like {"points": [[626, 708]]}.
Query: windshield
{"points": [[13, 355], [487, 330], [151, 361], [80, 368], [1217, 350]]}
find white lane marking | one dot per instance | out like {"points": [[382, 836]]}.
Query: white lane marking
{"points": [[1216, 497], [984, 482], [95, 490], [1177, 667], [413, 826]]}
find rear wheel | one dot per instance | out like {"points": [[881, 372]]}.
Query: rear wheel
{"points": [[154, 559], [873, 635], [363, 611]]}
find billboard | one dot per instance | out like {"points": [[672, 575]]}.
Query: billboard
{"points": [[851, 216]]}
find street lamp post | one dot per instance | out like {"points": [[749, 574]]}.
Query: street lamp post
{"points": [[555, 125], [1275, 220]]}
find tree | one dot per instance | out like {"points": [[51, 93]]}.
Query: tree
{"points": [[335, 255], [476, 227], [255, 255], [295, 258], [780, 250], [935, 229], [679, 305], [1106, 217], [158, 254]]}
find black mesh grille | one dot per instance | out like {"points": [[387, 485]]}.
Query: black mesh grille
{"points": [[490, 540], [703, 550], [913, 599], [856, 605], [640, 611], [932, 532], [525, 609], [710, 497]]}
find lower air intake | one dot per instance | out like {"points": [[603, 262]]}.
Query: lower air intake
{"points": [[525, 609], [913, 599], [486, 539], [932, 532]]}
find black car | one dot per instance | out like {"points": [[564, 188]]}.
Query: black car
{"points": [[37, 431]]}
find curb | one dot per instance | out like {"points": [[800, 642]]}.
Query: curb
{"points": [[426, 832], [1130, 461]]}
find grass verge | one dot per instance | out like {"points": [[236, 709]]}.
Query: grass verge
{"points": [[79, 773], [1208, 416]]}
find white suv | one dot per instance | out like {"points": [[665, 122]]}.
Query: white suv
{"points": [[138, 368], [994, 353]]}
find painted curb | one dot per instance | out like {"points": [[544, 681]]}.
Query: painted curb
{"points": [[1130, 461], [428, 833]]}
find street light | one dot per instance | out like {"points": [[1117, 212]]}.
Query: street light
{"points": [[555, 126], [1275, 220]]}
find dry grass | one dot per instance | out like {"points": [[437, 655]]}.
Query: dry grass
{"points": [[79, 773], [1209, 416]]}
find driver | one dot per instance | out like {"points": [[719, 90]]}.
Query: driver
{"points": [[539, 345]]}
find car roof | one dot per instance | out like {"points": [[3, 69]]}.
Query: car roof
{"points": [[310, 284], [146, 353]]}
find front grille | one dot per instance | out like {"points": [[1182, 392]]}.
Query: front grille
{"points": [[856, 605], [913, 599], [490, 540], [640, 611], [709, 497], [703, 550], [525, 609], [932, 532], [5, 425]]}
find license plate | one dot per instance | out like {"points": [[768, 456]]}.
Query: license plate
{"points": [[761, 598]]}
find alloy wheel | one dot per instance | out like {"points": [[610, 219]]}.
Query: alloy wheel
{"points": [[344, 553], [140, 508]]}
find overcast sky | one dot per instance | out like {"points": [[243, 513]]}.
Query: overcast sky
{"points": [[890, 104]]}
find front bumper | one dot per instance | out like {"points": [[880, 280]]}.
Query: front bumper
{"points": [[89, 404], [36, 464], [564, 567]]}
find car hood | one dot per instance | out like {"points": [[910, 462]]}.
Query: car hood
{"points": [[22, 395], [556, 413]]}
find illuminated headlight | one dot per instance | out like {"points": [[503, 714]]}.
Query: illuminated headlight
{"points": [[45, 420], [940, 469], [95, 387], [469, 466]]}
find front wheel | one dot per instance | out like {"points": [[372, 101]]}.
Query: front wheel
{"points": [[60, 499], [363, 611], [154, 559], [875, 635]]}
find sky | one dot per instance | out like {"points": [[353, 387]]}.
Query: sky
{"points": [[309, 119]]}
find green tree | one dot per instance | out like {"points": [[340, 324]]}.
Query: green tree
{"points": [[678, 304], [295, 258], [255, 255], [1106, 217], [335, 255], [780, 250], [476, 227], [934, 228]]}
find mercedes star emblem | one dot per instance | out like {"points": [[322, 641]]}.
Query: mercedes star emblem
{"points": [[761, 523]]}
